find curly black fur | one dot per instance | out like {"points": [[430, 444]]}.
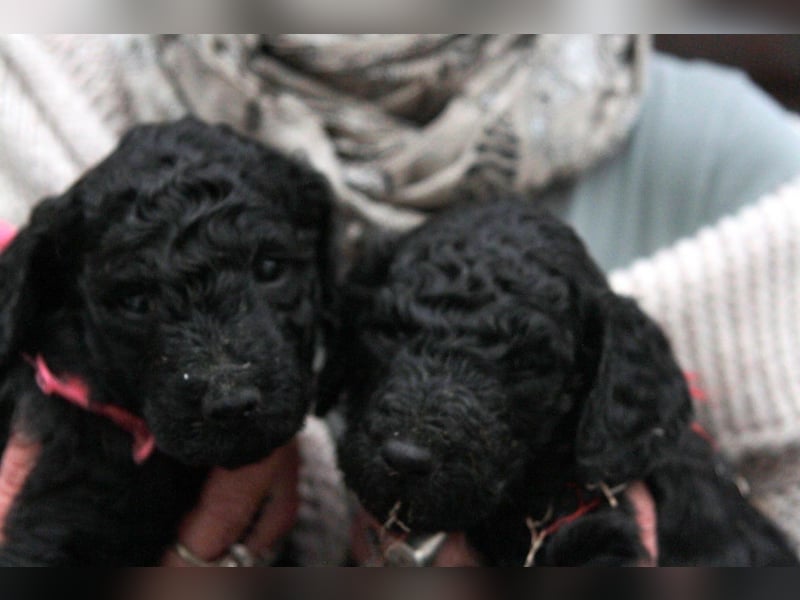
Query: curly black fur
{"points": [[487, 369], [182, 279]]}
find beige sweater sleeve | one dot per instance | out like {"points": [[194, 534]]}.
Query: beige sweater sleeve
{"points": [[50, 131]]}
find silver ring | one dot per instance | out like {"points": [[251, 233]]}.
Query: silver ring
{"points": [[238, 556]]}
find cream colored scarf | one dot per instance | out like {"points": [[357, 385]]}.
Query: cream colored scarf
{"points": [[404, 124]]}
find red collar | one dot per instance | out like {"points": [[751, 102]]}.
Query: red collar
{"points": [[546, 527], [76, 391], [584, 508], [7, 234], [644, 512], [372, 542]]}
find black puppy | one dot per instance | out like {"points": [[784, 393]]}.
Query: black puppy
{"points": [[174, 291], [492, 380]]}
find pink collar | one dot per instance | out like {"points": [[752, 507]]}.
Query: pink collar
{"points": [[75, 391], [7, 233]]}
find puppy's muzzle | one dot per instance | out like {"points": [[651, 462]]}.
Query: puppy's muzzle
{"points": [[407, 458], [229, 395], [230, 403]]}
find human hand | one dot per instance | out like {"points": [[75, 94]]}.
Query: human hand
{"points": [[265, 492]]}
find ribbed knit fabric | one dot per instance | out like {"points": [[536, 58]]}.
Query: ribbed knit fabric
{"points": [[49, 132], [92, 66], [729, 298]]}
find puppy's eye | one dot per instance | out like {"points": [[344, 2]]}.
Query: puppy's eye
{"points": [[269, 270]]}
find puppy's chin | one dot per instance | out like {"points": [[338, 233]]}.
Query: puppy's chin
{"points": [[231, 455], [419, 515], [202, 444], [225, 451], [456, 495], [424, 509]]}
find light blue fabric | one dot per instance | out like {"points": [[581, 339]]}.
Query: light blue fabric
{"points": [[708, 142]]}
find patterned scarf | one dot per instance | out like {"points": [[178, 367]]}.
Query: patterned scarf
{"points": [[404, 125]]}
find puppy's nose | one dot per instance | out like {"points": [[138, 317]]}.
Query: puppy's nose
{"points": [[407, 458], [231, 404]]}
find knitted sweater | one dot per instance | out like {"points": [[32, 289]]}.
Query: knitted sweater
{"points": [[728, 297]]}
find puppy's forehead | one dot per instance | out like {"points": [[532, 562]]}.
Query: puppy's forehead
{"points": [[231, 225], [510, 236], [239, 213], [484, 276], [481, 266]]}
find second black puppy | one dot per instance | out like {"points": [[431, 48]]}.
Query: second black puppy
{"points": [[494, 384], [173, 293]]}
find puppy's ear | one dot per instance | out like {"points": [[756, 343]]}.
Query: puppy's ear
{"points": [[33, 266], [373, 257], [352, 300], [638, 403], [308, 199], [311, 208], [312, 213]]}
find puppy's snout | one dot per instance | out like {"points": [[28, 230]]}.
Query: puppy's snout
{"points": [[407, 458], [231, 403]]}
